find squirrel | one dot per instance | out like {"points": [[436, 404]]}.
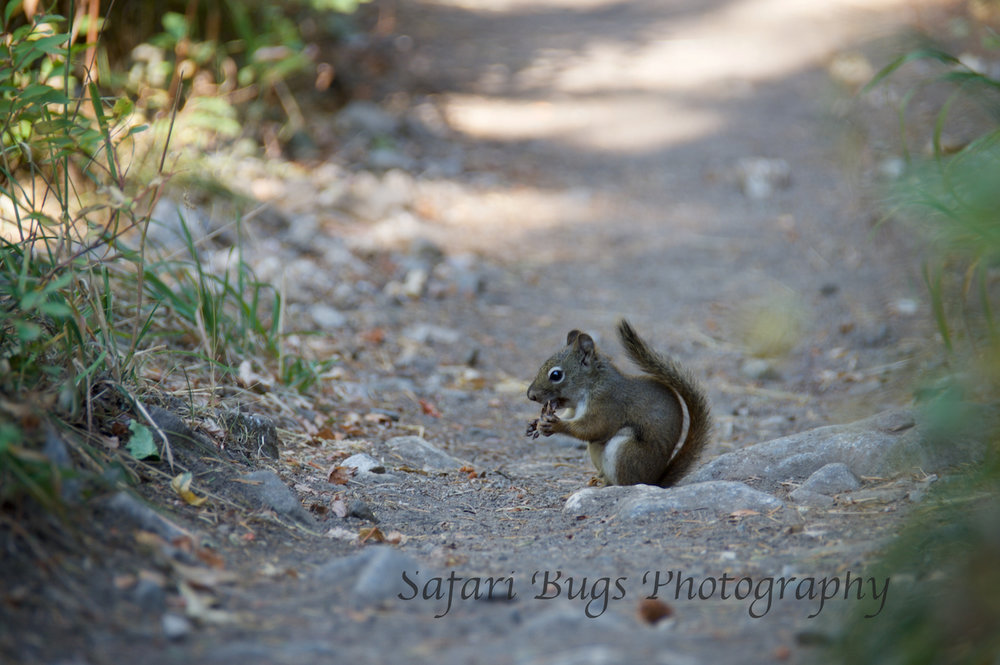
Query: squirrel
{"points": [[631, 423]]}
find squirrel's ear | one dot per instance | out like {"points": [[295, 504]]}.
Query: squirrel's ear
{"points": [[585, 345], [571, 337]]}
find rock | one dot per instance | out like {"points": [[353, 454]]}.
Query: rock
{"points": [[366, 117], [759, 176], [364, 463], [422, 455], [375, 573], [361, 510], [264, 489], [632, 501], [175, 627], [142, 516], [383, 159], [884, 445], [831, 479], [805, 497], [54, 448], [148, 595], [253, 435], [428, 333], [327, 317], [759, 369], [181, 437]]}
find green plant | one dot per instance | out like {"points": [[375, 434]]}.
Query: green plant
{"points": [[943, 564]]}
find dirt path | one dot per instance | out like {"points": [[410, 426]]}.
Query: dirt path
{"points": [[605, 173]]}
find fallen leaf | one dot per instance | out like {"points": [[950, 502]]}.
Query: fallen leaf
{"points": [[210, 558], [652, 611], [140, 444], [428, 408], [205, 579], [379, 418], [372, 533], [182, 485], [339, 475], [326, 433], [374, 336], [198, 606]]}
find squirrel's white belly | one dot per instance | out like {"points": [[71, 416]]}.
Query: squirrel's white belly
{"points": [[609, 457]]}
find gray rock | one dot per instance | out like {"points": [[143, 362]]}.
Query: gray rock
{"points": [[148, 595], [428, 333], [812, 499], [327, 317], [366, 117], [175, 626], [181, 437], [364, 463], [361, 510], [884, 445], [141, 515], [265, 490], [759, 369], [374, 574], [759, 176], [418, 453], [251, 434], [831, 479], [632, 501]]}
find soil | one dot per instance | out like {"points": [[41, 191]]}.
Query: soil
{"points": [[603, 149]]}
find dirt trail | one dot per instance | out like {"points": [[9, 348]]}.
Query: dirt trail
{"points": [[605, 149]]}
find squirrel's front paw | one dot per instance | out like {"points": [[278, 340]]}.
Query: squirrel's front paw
{"points": [[544, 424], [547, 424]]}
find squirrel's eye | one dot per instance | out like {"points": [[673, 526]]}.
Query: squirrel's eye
{"points": [[556, 374]]}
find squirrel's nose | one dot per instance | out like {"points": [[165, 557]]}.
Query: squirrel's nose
{"points": [[532, 395]]}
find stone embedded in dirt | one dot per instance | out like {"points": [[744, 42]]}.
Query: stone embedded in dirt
{"points": [[364, 463], [361, 510], [128, 507], [632, 501], [327, 317], [420, 454], [175, 627], [251, 434], [428, 333], [884, 445], [376, 573], [366, 117], [759, 369], [809, 498], [181, 437], [831, 479], [760, 177], [264, 489]]}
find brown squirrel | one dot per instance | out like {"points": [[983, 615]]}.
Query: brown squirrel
{"points": [[631, 423]]}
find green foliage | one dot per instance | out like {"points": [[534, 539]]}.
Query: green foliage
{"points": [[81, 300], [944, 606]]}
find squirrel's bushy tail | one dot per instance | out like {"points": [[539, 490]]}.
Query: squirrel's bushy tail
{"points": [[675, 377]]}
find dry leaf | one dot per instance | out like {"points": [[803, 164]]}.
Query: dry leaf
{"points": [[378, 418], [743, 512], [205, 579], [210, 558], [395, 538], [428, 408], [652, 610], [374, 336], [372, 533], [182, 485], [339, 475], [326, 433]]}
